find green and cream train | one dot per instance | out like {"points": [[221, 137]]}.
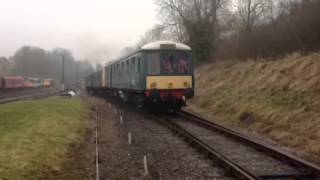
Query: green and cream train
{"points": [[158, 73]]}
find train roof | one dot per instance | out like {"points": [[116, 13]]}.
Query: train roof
{"points": [[165, 45], [157, 45], [34, 78], [13, 77]]}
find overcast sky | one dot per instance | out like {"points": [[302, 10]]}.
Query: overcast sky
{"points": [[86, 27]]}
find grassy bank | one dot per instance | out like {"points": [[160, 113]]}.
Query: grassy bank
{"points": [[280, 99], [35, 135]]}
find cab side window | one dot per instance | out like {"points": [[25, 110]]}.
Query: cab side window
{"points": [[153, 63]]}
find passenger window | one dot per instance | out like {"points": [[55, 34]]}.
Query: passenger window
{"points": [[133, 64], [133, 60], [127, 66], [122, 68], [116, 71], [119, 72], [153, 63], [138, 64]]}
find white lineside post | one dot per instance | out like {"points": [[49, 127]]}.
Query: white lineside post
{"points": [[129, 138], [145, 165], [121, 120], [97, 150]]}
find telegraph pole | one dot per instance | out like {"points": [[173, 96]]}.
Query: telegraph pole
{"points": [[77, 69], [62, 78]]}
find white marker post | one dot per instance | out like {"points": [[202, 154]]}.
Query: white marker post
{"points": [[145, 165], [129, 138], [97, 149], [121, 120]]}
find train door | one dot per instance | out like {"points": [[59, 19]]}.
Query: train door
{"points": [[138, 72], [111, 75], [103, 78]]}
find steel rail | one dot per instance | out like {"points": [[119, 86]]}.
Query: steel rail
{"points": [[313, 169], [16, 93], [25, 97], [231, 167]]}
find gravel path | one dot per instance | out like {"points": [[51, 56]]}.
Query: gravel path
{"points": [[168, 156]]}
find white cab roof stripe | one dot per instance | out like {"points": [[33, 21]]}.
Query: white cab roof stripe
{"points": [[157, 45]]}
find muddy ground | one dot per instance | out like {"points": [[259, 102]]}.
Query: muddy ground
{"points": [[168, 156]]}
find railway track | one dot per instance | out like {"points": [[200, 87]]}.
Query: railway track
{"points": [[31, 95], [242, 156], [21, 92]]}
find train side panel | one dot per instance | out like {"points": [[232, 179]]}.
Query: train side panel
{"points": [[128, 74], [11, 82], [89, 82], [1, 83]]}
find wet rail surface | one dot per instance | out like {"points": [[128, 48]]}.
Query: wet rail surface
{"points": [[241, 155]]}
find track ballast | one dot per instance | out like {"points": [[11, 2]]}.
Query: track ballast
{"points": [[244, 157]]}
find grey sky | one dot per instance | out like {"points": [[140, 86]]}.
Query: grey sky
{"points": [[87, 27]]}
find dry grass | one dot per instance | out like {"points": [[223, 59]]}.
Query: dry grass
{"points": [[280, 99], [35, 135]]}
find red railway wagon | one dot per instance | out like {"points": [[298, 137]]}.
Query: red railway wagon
{"points": [[11, 82]]}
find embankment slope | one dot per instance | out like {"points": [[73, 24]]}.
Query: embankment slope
{"points": [[279, 99]]}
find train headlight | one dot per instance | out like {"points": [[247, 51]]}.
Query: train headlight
{"points": [[186, 84], [153, 85]]}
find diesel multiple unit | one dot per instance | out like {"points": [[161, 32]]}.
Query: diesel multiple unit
{"points": [[158, 73]]}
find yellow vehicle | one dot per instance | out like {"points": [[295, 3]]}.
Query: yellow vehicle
{"points": [[48, 83]]}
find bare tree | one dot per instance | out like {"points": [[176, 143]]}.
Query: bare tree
{"points": [[5, 66], [193, 21], [252, 12], [270, 28], [154, 34], [127, 50], [36, 62]]}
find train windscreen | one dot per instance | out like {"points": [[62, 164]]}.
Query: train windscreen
{"points": [[169, 63]]}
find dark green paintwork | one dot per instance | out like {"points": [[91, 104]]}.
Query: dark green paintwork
{"points": [[132, 76]]}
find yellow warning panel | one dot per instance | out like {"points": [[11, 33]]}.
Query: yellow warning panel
{"points": [[169, 82]]}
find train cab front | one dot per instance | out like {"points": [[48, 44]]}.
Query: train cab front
{"points": [[171, 92], [170, 80]]}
